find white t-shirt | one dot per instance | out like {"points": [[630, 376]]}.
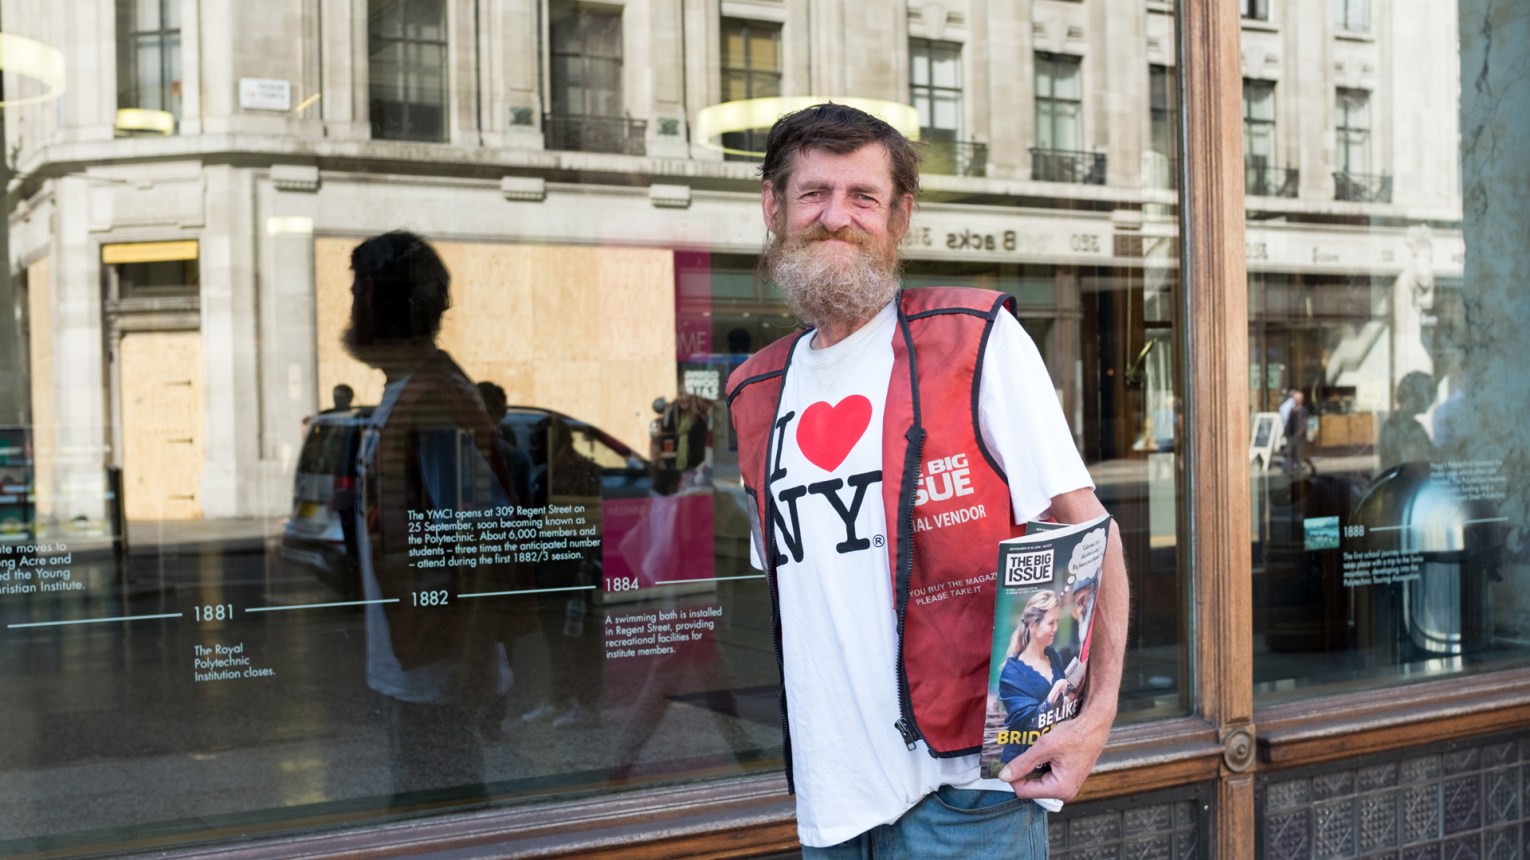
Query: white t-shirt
{"points": [[839, 628]]}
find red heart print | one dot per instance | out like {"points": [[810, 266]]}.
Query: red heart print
{"points": [[827, 433]]}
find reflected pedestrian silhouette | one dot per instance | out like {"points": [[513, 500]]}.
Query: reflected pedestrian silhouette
{"points": [[429, 450], [1403, 438]]}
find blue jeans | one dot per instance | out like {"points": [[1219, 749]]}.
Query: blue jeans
{"points": [[951, 824]]}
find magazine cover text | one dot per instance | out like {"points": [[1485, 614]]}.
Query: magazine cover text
{"points": [[1047, 583]]}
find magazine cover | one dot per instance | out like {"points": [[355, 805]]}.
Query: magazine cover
{"points": [[1047, 583]]}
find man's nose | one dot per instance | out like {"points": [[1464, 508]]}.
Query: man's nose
{"points": [[836, 213]]}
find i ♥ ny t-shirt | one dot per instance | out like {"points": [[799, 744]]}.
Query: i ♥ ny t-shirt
{"points": [[839, 629]]}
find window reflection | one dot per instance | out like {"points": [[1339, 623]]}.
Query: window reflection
{"points": [[1386, 533], [191, 463]]}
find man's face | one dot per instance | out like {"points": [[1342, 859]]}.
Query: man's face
{"points": [[360, 338], [837, 223], [1083, 601]]}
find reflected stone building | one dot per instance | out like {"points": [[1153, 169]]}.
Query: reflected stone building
{"points": [[188, 179], [194, 193]]}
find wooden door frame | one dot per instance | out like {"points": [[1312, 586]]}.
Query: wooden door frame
{"points": [[1214, 315]]}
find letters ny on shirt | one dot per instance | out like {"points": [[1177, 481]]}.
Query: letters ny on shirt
{"points": [[824, 435]]}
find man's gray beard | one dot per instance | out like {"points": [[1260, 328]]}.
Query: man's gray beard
{"points": [[821, 290]]}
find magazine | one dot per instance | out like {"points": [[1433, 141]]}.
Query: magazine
{"points": [[1043, 613]]}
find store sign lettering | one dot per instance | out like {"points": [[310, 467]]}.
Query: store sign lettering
{"points": [[1014, 241]]}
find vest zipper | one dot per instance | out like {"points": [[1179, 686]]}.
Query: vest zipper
{"points": [[907, 725], [767, 527], [775, 634]]}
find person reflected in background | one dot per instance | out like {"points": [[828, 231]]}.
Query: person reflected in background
{"points": [[1286, 405], [680, 442], [1296, 435], [1403, 439], [428, 447], [343, 396], [563, 477], [1032, 679], [497, 405]]}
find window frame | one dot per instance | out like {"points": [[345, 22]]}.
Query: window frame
{"points": [[410, 72], [925, 50], [586, 58], [1163, 80], [130, 41], [1350, 138], [1053, 106], [1352, 16], [752, 140], [1259, 131], [1254, 10]]}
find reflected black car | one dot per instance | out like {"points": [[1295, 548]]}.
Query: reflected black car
{"points": [[319, 533], [623, 473]]}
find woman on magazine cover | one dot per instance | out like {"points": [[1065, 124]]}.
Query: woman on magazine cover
{"points": [[1033, 680]]}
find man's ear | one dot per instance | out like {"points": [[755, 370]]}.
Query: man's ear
{"points": [[769, 205], [902, 216]]}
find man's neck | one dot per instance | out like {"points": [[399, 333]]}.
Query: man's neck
{"points": [[405, 360], [831, 332]]}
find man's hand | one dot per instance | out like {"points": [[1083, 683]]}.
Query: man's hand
{"points": [[1071, 748], [1069, 751]]}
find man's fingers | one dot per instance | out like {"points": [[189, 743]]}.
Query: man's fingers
{"points": [[1020, 765]]}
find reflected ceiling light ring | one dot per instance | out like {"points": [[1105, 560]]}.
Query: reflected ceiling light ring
{"points": [[33, 59], [754, 114]]}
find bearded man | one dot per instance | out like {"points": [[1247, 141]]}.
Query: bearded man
{"points": [[887, 448]]}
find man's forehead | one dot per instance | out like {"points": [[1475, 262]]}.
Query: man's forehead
{"points": [[870, 163]]}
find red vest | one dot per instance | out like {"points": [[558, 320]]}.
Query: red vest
{"points": [[947, 500]]}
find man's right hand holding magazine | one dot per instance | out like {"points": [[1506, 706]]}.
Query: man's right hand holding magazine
{"points": [[1057, 764]]}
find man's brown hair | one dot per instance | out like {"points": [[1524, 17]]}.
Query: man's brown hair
{"points": [[839, 129]]}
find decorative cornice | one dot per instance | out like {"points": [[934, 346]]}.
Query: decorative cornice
{"points": [[295, 177], [531, 189]]}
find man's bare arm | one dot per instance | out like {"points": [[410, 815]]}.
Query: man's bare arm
{"points": [[1072, 747]]}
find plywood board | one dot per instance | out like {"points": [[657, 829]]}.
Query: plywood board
{"points": [[163, 427], [587, 331]]}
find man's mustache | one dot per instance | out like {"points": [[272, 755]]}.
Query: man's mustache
{"points": [[820, 233]]}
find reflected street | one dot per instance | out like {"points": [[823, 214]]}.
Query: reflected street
{"points": [[122, 716]]}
